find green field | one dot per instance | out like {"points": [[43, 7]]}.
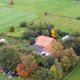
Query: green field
{"points": [[6, 78], [11, 16], [28, 10], [74, 75]]}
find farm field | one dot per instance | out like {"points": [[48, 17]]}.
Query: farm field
{"points": [[28, 10], [9, 16]]}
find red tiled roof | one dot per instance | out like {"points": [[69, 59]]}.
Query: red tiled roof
{"points": [[45, 42]]}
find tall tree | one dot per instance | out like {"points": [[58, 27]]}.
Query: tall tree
{"points": [[57, 49], [29, 62]]}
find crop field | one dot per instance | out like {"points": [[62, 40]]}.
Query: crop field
{"points": [[28, 10]]}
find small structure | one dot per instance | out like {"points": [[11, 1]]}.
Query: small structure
{"points": [[65, 38], [43, 45], [2, 40]]}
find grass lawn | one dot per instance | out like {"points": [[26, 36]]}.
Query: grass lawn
{"points": [[74, 74], [2, 77]]}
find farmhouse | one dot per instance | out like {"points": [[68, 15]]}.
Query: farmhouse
{"points": [[43, 45]]}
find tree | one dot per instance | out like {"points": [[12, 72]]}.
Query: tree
{"points": [[72, 42], [11, 2], [76, 34], [68, 59], [29, 62], [66, 64], [57, 70], [45, 33], [57, 49], [12, 29], [32, 41], [61, 33], [22, 72], [23, 24], [42, 74], [53, 33], [9, 57], [46, 62]]}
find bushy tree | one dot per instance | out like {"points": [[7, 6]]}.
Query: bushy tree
{"points": [[46, 62], [30, 34], [69, 59], [9, 57], [57, 49], [78, 18], [57, 70], [45, 33], [22, 72], [73, 42], [76, 34], [23, 24], [61, 33], [42, 74], [12, 29], [11, 2], [32, 41], [29, 62], [46, 13]]}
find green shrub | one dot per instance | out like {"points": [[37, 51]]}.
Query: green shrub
{"points": [[45, 33], [23, 24], [30, 34], [68, 59], [78, 18], [12, 29], [11, 2], [9, 57], [46, 62], [45, 13], [32, 41], [57, 71], [76, 34], [61, 33], [29, 62], [42, 74]]}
